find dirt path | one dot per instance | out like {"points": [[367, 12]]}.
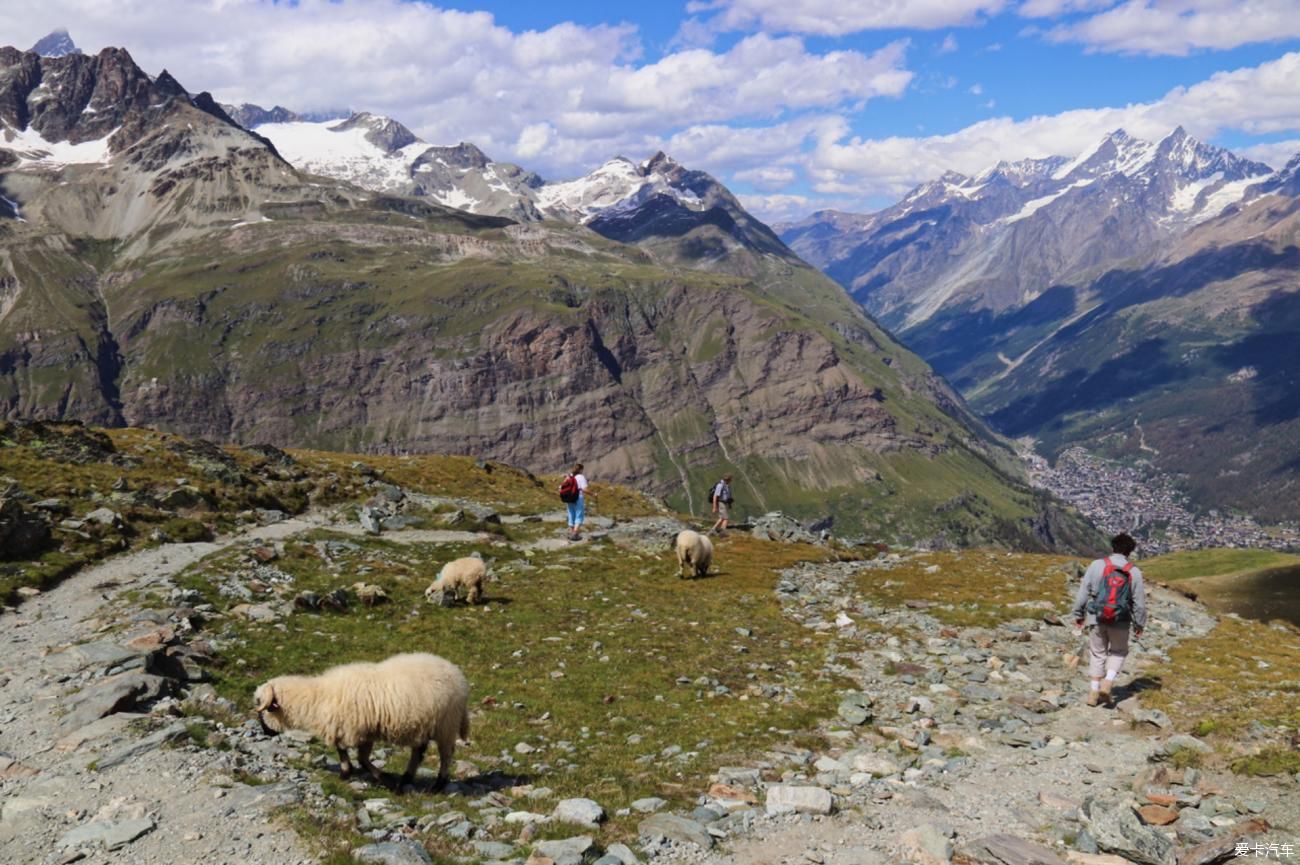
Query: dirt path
{"points": [[107, 780]]}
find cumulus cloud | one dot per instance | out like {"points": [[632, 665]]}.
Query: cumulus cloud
{"points": [[838, 18], [1274, 153], [1175, 27], [560, 99], [948, 45], [1260, 99], [774, 209], [767, 178]]}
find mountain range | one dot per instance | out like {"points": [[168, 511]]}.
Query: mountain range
{"points": [[162, 265], [1140, 299]]}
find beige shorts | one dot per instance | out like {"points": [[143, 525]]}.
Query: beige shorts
{"points": [[724, 511]]}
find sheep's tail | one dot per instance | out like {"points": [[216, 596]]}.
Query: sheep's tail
{"points": [[464, 724]]}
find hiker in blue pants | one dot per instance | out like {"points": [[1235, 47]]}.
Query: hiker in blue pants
{"points": [[573, 492], [1113, 596]]}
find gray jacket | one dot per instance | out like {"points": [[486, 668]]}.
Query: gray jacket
{"points": [[1091, 588]]}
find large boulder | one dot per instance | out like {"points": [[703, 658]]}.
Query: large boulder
{"points": [[1115, 825]]}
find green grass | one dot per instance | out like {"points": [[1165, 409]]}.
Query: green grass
{"points": [[1268, 762], [974, 588], [1239, 673], [1213, 562], [617, 626]]}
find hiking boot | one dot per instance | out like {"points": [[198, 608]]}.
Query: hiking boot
{"points": [[1094, 698], [1105, 691]]}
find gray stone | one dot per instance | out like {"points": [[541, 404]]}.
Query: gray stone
{"points": [[648, 805], [1117, 829], [675, 828], [877, 764], [99, 656], [1010, 850], [460, 831], [926, 845], [110, 834], [852, 712], [371, 520], [570, 851], [1179, 743], [105, 517], [788, 799], [608, 859], [624, 854], [114, 694], [131, 750], [706, 814], [1154, 717], [393, 853], [857, 855], [580, 812], [261, 798], [493, 849]]}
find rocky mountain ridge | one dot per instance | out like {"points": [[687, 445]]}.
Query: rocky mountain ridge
{"points": [[623, 200], [188, 277], [1116, 300], [998, 240]]}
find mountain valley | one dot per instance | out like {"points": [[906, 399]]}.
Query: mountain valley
{"points": [[164, 266], [1138, 300]]}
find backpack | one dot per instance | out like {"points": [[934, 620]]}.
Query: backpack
{"points": [[1114, 602], [569, 490], [713, 489]]}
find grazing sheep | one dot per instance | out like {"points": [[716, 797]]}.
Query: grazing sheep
{"points": [[467, 573], [695, 550], [407, 700], [369, 594]]}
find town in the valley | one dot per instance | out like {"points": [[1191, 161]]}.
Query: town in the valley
{"points": [[1143, 501]]}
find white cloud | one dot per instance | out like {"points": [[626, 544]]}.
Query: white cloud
{"points": [[1056, 8], [838, 18], [948, 45], [1179, 27], [767, 178], [780, 208], [1274, 153], [1259, 100], [533, 139], [977, 89], [561, 99]]}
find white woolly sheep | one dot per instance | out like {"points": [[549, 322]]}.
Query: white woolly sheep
{"points": [[695, 550], [406, 700], [468, 573], [369, 594]]}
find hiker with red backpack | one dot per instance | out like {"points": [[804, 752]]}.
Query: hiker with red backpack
{"points": [[1113, 597], [573, 492]]}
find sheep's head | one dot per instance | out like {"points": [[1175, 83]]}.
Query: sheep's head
{"points": [[267, 706]]}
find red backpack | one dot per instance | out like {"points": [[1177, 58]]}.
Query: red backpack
{"points": [[569, 490], [1114, 601]]}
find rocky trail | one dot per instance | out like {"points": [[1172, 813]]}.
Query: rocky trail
{"points": [[83, 781], [956, 744]]}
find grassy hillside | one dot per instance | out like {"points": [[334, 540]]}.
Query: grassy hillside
{"points": [[1214, 562]]}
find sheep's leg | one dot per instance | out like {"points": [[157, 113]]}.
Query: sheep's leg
{"points": [[363, 760], [345, 765], [417, 757], [446, 749]]}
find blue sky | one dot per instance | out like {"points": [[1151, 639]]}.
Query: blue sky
{"points": [[796, 104]]}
